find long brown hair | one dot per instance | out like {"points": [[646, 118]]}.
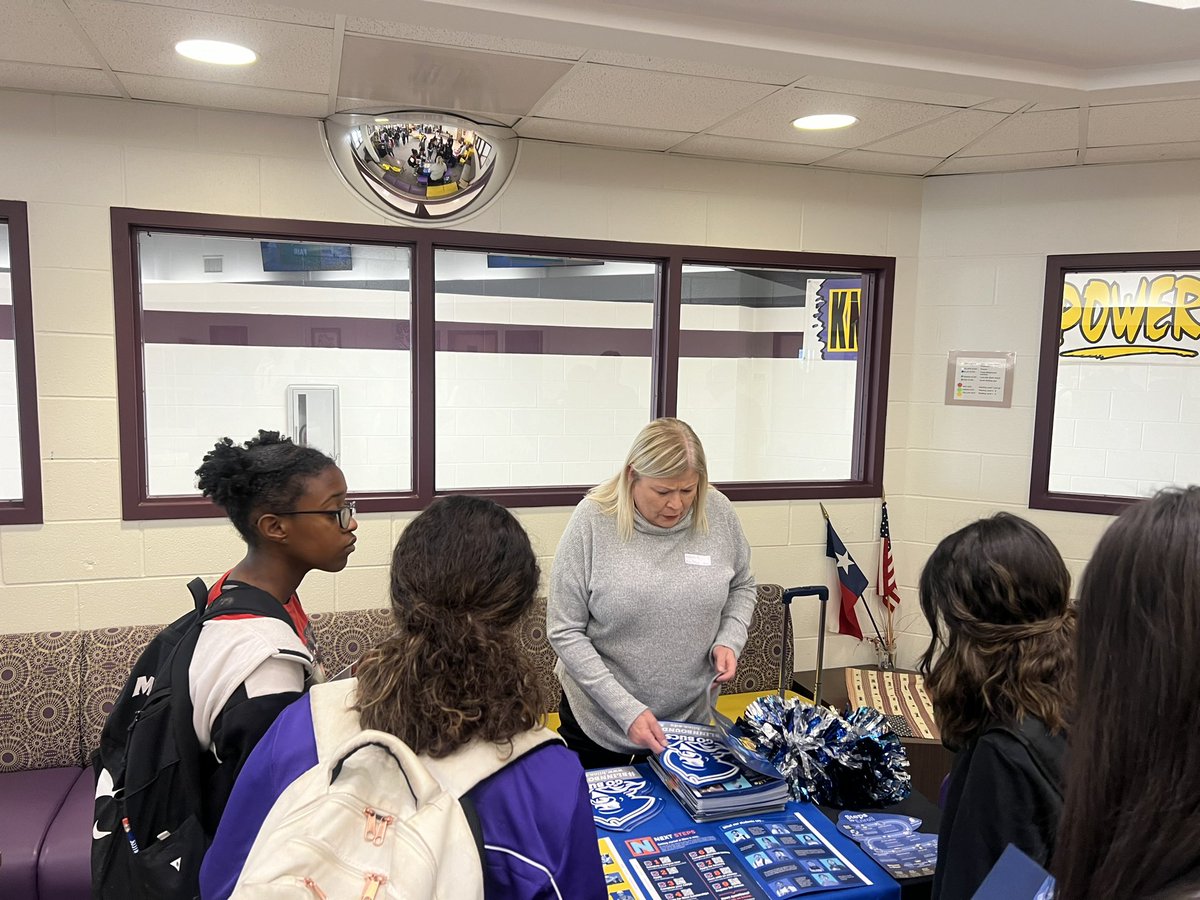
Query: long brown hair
{"points": [[1131, 819], [463, 573], [996, 595]]}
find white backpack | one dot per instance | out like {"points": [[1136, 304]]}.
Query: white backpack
{"points": [[372, 819]]}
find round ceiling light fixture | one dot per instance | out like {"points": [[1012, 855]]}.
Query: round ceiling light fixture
{"points": [[221, 53], [823, 122]]}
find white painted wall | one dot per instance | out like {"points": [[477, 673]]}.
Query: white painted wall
{"points": [[970, 265]]}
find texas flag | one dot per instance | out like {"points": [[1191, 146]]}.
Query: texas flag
{"points": [[853, 581]]}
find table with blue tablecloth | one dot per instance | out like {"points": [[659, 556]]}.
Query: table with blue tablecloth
{"points": [[764, 857]]}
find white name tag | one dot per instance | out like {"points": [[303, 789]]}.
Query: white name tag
{"points": [[695, 559]]}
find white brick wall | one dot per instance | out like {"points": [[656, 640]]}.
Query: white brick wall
{"points": [[970, 260]]}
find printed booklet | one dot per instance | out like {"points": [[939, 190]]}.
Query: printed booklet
{"points": [[746, 859], [708, 780], [621, 798]]}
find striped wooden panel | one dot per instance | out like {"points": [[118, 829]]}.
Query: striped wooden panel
{"points": [[894, 694]]}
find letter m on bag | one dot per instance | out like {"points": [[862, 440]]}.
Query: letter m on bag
{"points": [[144, 685]]}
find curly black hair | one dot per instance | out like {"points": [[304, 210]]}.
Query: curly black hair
{"points": [[265, 473]]}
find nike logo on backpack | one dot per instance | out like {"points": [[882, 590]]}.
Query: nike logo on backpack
{"points": [[97, 834]]}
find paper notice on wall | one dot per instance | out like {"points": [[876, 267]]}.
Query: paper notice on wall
{"points": [[979, 378]]}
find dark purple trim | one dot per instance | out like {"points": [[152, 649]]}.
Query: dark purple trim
{"points": [[666, 341], [424, 387], [8, 329], [1057, 267], [348, 332], [27, 510]]}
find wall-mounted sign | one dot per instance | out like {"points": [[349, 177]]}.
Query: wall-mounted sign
{"points": [[979, 378], [838, 310], [1107, 315]]}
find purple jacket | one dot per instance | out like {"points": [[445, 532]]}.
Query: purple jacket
{"points": [[538, 834]]}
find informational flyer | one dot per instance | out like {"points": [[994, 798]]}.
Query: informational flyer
{"points": [[979, 378], [762, 858], [893, 841]]}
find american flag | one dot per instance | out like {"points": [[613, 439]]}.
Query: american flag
{"points": [[885, 585]]}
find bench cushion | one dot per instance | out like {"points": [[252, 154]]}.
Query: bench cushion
{"points": [[31, 801]]}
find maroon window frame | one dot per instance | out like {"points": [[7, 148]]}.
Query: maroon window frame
{"points": [[27, 510], [1057, 267], [878, 275]]}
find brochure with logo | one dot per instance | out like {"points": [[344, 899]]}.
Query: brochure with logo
{"points": [[708, 779], [621, 798], [688, 864]]}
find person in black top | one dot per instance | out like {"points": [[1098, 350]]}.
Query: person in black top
{"points": [[288, 503], [999, 671], [1131, 824]]}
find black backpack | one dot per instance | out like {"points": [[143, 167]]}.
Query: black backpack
{"points": [[149, 839]]}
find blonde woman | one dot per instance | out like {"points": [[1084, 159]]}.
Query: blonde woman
{"points": [[651, 597]]}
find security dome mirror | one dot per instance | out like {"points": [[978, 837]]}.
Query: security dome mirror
{"points": [[419, 164]]}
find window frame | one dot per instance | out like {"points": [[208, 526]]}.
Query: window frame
{"points": [[1057, 267], [878, 275], [27, 510]]}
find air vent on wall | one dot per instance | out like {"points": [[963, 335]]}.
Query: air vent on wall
{"points": [[214, 264]]}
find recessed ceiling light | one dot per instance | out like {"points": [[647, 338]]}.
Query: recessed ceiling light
{"points": [[823, 122], [1174, 4], [220, 53]]}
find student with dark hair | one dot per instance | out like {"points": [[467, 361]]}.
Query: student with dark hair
{"points": [[1131, 824], [998, 670], [289, 505], [453, 674]]}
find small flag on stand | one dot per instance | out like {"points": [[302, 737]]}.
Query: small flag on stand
{"points": [[885, 585], [851, 578]]}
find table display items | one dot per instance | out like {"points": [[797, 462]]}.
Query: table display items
{"points": [[892, 841], [621, 798], [708, 780], [851, 762]]}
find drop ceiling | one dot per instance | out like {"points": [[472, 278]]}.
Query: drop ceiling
{"points": [[940, 87]]}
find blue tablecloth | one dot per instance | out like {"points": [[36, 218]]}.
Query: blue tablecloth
{"points": [[674, 824]]}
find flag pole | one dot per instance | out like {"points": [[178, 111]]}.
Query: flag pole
{"points": [[866, 605], [889, 626]]}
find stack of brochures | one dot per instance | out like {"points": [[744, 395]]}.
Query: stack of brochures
{"points": [[708, 780], [621, 798]]}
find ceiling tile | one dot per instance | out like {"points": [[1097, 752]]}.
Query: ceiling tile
{"points": [[1004, 106], [59, 79], [737, 148], [689, 67], [611, 95], [40, 32], [224, 96], [1030, 132], [1144, 123], [430, 35], [141, 39], [599, 135], [942, 137], [253, 10], [884, 163], [771, 119], [408, 75], [889, 91], [1143, 153], [1011, 163]]}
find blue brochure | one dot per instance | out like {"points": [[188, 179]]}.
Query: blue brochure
{"points": [[1016, 877], [862, 825], [621, 798]]}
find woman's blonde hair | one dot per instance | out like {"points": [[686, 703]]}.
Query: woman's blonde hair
{"points": [[666, 448]]}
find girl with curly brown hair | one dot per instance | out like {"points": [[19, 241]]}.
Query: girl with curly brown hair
{"points": [[452, 675], [999, 671]]}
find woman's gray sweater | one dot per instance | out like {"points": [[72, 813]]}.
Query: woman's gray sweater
{"points": [[634, 623]]}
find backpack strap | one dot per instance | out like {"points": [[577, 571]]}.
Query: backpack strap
{"points": [[335, 721], [480, 760], [240, 600]]}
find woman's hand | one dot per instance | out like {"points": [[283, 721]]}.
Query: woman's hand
{"points": [[646, 732], [725, 662]]}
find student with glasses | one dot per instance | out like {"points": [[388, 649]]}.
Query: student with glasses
{"points": [[289, 505]]}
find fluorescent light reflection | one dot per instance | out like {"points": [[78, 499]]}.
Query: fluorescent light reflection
{"points": [[823, 122], [219, 53]]}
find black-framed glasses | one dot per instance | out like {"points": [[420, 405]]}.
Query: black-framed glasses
{"points": [[343, 514]]}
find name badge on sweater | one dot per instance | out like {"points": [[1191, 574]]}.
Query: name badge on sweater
{"points": [[696, 559]]}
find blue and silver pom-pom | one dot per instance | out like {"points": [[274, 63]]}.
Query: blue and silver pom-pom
{"points": [[852, 762]]}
